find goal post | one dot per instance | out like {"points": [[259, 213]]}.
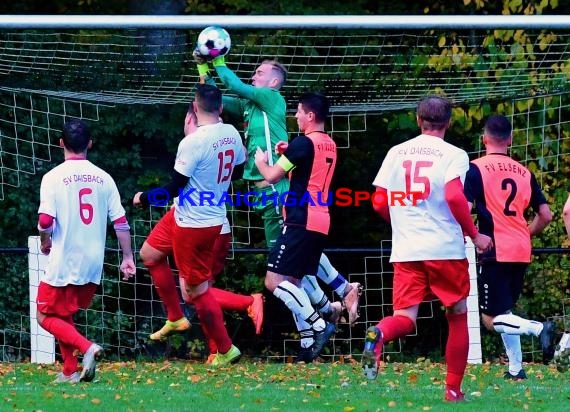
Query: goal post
{"points": [[43, 344], [370, 65]]}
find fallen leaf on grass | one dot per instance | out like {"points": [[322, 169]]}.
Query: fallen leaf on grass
{"points": [[194, 378]]}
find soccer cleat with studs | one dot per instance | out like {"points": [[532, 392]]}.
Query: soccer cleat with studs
{"points": [[521, 375], [334, 314], [90, 358], [453, 395], [322, 337], [547, 341], [305, 355], [73, 378], [170, 327], [352, 302], [223, 359], [255, 312], [372, 352]]}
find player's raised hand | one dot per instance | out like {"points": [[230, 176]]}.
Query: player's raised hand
{"points": [[260, 156], [137, 199]]}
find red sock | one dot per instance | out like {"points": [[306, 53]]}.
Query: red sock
{"points": [[166, 288], [211, 342], [457, 349], [231, 301], [64, 331], [212, 347], [69, 361], [394, 327], [212, 320]]}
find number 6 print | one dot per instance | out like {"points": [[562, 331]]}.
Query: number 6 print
{"points": [[85, 209]]}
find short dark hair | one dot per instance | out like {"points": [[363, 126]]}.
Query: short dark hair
{"points": [[317, 103], [498, 127], [435, 110], [279, 68], [76, 135], [208, 98]]}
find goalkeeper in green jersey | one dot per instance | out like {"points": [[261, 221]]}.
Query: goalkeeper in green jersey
{"points": [[263, 111]]}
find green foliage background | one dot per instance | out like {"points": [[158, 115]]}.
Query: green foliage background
{"points": [[137, 144]]}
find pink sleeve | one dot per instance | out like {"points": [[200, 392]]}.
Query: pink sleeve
{"points": [[459, 207], [45, 221], [382, 207]]}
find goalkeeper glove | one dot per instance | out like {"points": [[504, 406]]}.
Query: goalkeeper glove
{"points": [[219, 61], [201, 63], [203, 69]]}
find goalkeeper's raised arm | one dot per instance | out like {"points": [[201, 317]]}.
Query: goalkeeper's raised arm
{"points": [[262, 110]]}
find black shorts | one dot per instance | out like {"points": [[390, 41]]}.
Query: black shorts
{"points": [[297, 252], [500, 285]]}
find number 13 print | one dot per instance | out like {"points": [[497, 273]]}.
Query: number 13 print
{"points": [[225, 164]]}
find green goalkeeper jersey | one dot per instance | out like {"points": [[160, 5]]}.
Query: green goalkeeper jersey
{"points": [[250, 105]]}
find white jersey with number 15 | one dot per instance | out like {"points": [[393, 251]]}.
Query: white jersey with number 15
{"points": [[423, 227]]}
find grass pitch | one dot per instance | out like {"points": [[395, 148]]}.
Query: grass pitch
{"points": [[247, 386]]}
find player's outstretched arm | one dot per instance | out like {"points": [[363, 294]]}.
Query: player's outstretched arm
{"points": [[462, 213], [274, 173]]}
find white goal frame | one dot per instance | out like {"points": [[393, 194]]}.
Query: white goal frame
{"points": [[388, 22], [42, 343]]}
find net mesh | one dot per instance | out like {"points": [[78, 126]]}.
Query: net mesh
{"points": [[52, 75], [360, 71], [48, 76]]}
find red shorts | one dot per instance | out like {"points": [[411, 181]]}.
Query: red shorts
{"points": [[192, 247], [415, 282], [221, 252], [64, 300]]}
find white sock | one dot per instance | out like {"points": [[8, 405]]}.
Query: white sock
{"points": [[514, 352], [316, 295], [298, 302], [305, 331], [515, 325], [328, 274]]}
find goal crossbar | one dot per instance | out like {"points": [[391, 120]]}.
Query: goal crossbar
{"points": [[283, 22]]}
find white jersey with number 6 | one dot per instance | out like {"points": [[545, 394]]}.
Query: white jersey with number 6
{"points": [[208, 157], [81, 197], [423, 227]]}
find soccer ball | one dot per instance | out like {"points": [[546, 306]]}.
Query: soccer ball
{"points": [[213, 41]]}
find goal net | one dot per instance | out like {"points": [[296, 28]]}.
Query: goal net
{"points": [[371, 75]]}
